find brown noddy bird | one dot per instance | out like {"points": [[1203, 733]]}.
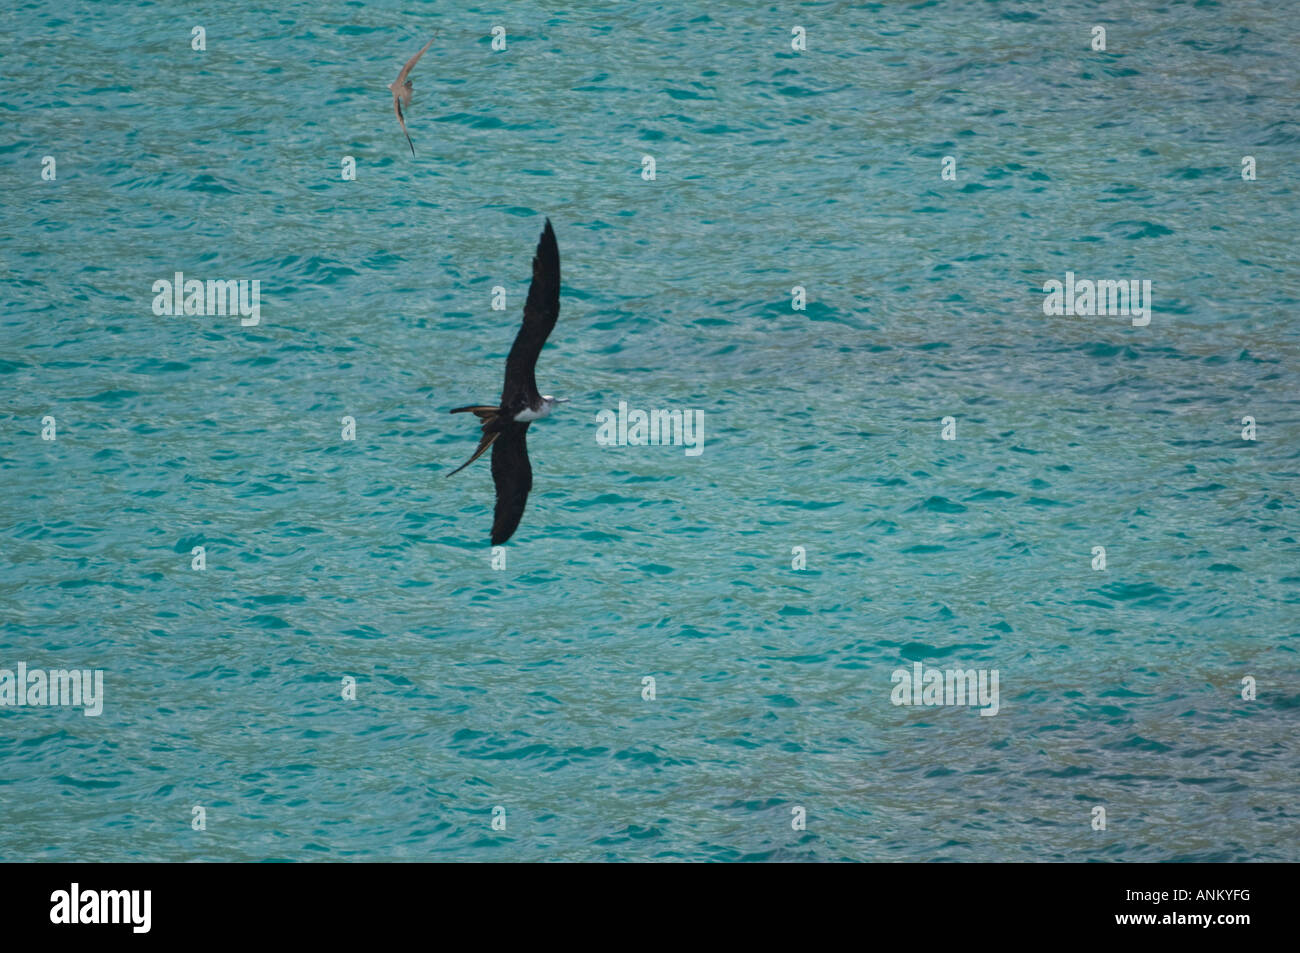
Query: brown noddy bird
{"points": [[401, 89]]}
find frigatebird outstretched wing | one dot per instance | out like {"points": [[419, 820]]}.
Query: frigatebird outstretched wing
{"points": [[513, 476], [540, 311]]}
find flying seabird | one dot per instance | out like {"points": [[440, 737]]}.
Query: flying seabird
{"points": [[505, 427], [401, 88]]}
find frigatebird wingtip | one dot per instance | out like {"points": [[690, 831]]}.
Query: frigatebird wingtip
{"points": [[548, 248]]}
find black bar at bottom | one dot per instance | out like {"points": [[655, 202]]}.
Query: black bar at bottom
{"points": [[1219, 903]]}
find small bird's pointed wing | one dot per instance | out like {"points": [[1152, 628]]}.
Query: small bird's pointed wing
{"points": [[397, 107], [540, 311], [401, 77], [513, 476]]}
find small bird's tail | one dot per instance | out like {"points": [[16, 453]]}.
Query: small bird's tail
{"points": [[487, 414]]}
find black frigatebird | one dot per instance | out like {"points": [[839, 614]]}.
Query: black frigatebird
{"points": [[505, 427]]}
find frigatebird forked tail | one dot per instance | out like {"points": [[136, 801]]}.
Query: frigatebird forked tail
{"points": [[488, 415], [505, 427]]}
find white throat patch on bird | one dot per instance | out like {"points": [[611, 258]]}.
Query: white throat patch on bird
{"points": [[548, 406]]}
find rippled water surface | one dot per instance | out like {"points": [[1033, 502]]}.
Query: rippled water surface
{"points": [[522, 687]]}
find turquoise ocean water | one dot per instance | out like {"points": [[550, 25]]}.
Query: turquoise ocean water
{"points": [[521, 688]]}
